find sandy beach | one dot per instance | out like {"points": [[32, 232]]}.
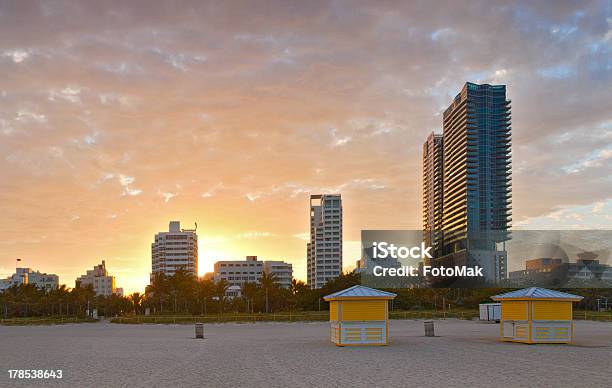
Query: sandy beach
{"points": [[463, 353]]}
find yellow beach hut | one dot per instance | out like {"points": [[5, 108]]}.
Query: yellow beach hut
{"points": [[536, 315], [359, 315]]}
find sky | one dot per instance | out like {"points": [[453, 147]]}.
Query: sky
{"points": [[116, 118]]}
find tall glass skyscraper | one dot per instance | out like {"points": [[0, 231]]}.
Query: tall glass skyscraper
{"points": [[476, 179], [432, 193], [477, 168]]}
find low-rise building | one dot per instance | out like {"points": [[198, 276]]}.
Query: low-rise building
{"points": [[44, 281], [5, 283], [233, 292], [238, 272], [554, 272], [98, 277], [250, 270], [282, 272]]}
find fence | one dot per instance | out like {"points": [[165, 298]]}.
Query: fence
{"points": [[44, 321], [322, 316], [593, 316], [276, 317], [469, 315]]}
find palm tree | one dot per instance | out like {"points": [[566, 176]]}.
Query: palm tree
{"points": [[63, 293], [268, 282], [9, 297], [28, 294], [182, 286], [136, 299], [205, 289], [248, 291], [299, 293], [157, 291], [221, 287], [58, 297], [81, 296]]}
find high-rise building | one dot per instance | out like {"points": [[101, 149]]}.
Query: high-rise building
{"points": [[324, 251], [238, 272], [432, 192], [175, 249], [99, 278], [476, 168], [476, 174]]}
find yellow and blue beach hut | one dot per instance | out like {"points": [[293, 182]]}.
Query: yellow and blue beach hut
{"points": [[359, 315], [536, 315]]}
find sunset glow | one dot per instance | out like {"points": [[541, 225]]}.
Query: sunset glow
{"points": [[114, 122]]}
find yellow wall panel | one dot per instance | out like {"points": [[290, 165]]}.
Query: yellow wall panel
{"points": [[552, 310], [363, 310], [514, 310], [333, 311]]}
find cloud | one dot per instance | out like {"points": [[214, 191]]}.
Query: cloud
{"points": [[595, 159], [293, 190], [442, 33], [167, 196], [302, 236], [180, 60], [597, 206], [25, 115], [213, 190], [253, 235], [338, 141], [6, 128], [253, 196], [557, 72], [125, 181], [17, 55], [101, 104], [113, 98], [123, 68], [69, 93], [57, 152]]}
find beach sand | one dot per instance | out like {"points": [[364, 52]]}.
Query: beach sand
{"points": [[464, 353]]}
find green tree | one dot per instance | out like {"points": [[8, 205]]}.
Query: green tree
{"points": [[136, 298], [220, 289], [205, 289], [248, 291], [157, 291], [268, 284]]}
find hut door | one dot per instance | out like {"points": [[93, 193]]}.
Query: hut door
{"points": [[508, 329]]}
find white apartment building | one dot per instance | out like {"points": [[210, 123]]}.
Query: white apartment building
{"points": [[324, 251], [98, 277], [43, 281], [238, 272], [282, 272], [174, 249]]}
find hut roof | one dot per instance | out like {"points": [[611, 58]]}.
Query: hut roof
{"points": [[537, 293], [360, 292]]}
